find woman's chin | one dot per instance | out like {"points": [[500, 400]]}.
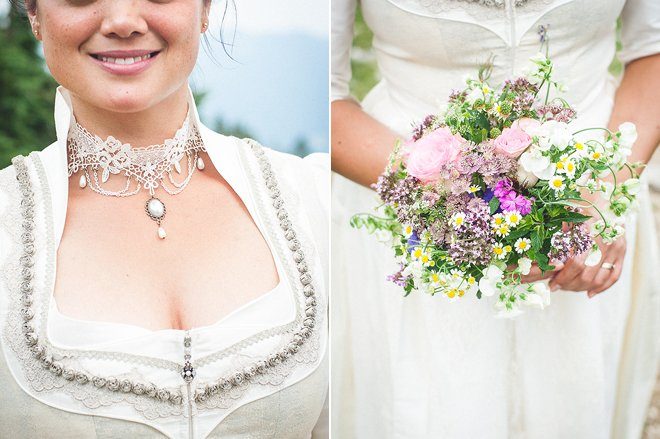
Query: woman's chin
{"points": [[126, 101]]}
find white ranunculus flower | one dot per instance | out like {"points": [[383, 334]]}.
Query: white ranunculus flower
{"points": [[536, 163], [525, 265], [488, 283], [560, 135], [594, 257], [525, 178], [628, 132]]}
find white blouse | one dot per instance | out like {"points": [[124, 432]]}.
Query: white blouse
{"points": [[249, 334]]}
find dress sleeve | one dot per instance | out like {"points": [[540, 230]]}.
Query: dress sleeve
{"points": [[343, 18], [640, 29]]}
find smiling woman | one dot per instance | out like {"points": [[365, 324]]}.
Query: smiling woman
{"points": [[158, 278]]}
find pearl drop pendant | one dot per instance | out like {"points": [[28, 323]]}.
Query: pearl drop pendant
{"points": [[200, 163], [161, 233], [82, 182]]}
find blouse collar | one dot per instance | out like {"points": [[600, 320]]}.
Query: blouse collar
{"points": [[222, 150]]}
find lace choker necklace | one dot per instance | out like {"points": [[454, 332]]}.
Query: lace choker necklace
{"points": [[149, 168]]}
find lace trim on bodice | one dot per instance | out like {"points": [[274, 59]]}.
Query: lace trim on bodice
{"points": [[236, 357]]}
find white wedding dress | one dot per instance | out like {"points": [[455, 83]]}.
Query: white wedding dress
{"points": [[284, 400], [420, 367]]}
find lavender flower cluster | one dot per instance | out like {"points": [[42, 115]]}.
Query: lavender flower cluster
{"points": [[474, 239]]}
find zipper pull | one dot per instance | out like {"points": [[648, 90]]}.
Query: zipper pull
{"points": [[188, 372]]}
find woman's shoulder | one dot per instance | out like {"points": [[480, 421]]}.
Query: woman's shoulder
{"points": [[309, 174]]}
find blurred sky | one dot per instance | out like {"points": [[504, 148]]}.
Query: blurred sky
{"points": [[277, 84]]}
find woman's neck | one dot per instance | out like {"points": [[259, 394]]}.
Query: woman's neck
{"points": [[147, 127]]}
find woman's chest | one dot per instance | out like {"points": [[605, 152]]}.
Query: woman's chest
{"points": [[112, 267], [453, 33]]}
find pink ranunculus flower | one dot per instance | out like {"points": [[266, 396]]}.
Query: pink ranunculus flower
{"points": [[427, 157], [512, 142]]}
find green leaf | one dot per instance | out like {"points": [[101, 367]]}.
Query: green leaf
{"points": [[494, 204]]}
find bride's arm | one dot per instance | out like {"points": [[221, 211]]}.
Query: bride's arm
{"points": [[637, 100], [360, 144]]}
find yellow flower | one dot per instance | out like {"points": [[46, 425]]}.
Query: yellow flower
{"points": [[500, 251], [522, 245], [473, 189], [457, 219], [452, 293], [557, 183], [422, 256], [502, 230], [513, 218], [407, 231], [498, 220]]}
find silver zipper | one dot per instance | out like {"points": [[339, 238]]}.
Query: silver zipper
{"points": [[188, 373]]}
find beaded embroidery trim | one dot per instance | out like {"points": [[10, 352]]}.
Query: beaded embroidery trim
{"points": [[42, 352]]}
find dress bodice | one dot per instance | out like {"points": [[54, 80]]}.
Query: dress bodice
{"points": [[426, 48], [265, 360]]}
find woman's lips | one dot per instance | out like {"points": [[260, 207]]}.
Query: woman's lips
{"points": [[129, 62]]}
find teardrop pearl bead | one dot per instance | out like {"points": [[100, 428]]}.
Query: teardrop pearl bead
{"points": [[82, 182], [200, 163], [161, 233]]}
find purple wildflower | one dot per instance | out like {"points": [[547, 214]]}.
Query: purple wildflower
{"points": [[413, 241], [512, 201], [398, 278], [430, 198], [503, 188], [419, 130], [473, 241], [569, 243], [556, 112]]}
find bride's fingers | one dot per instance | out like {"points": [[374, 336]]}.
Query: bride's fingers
{"points": [[572, 269], [535, 274], [613, 277]]}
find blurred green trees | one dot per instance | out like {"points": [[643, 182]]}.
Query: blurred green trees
{"points": [[27, 91], [363, 62]]}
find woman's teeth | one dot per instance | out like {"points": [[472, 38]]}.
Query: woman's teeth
{"points": [[124, 61]]}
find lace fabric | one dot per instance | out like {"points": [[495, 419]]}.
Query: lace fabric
{"points": [[238, 355]]}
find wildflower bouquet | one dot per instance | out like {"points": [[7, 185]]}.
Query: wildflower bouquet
{"points": [[499, 182]]}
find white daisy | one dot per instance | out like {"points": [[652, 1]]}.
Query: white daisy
{"points": [[556, 183], [522, 245], [513, 217]]}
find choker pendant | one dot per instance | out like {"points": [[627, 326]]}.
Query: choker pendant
{"points": [[155, 210]]}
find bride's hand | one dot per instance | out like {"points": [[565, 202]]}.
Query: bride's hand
{"points": [[535, 274], [576, 276]]}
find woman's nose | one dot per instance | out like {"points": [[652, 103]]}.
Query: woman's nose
{"points": [[123, 19]]}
